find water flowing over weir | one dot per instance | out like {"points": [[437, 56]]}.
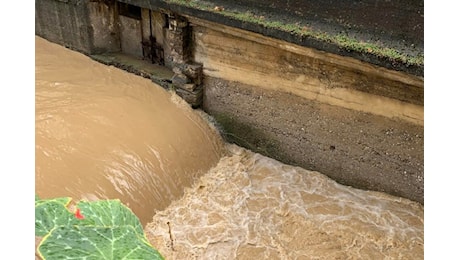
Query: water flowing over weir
{"points": [[104, 133]]}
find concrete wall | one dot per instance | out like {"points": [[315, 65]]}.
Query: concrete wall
{"points": [[157, 25], [64, 22], [360, 124], [159, 22], [89, 27], [105, 30], [131, 36], [253, 59]]}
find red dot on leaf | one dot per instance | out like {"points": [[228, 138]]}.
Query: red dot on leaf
{"points": [[79, 215]]}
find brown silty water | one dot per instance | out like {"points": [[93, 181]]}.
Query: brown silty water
{"points": [[101, 132], [104, 133]]}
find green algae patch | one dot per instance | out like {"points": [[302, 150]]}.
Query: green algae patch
{"points": [[104, 229]]}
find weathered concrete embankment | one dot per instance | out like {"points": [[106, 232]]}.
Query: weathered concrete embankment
{"points": [[306, 105], [360, 125]]}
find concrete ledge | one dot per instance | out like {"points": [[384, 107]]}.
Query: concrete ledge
{"points": [[158, 74]]}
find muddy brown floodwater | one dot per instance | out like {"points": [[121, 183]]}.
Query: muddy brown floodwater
{"points": [[104, 133], [101, 132]]}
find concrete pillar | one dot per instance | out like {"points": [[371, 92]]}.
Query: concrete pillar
{"points": [[187, 79], [177, 39]]}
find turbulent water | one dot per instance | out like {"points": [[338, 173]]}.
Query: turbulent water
{"points": [[104, 133], [253, 207]]}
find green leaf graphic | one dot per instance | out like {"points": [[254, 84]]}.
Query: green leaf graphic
{"points": [[64, 200], [49, 214], [109, 213], [108, 230], [87, 242]]}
